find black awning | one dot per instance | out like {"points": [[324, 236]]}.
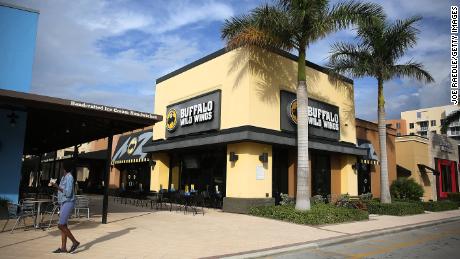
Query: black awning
{"points": [[371, 157], [55, 123], [426, 169], [129, 147], [402, 171], [249, 133]]}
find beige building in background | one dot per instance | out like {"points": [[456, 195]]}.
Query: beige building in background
{"points": [[432, 162], [428, 120], [399, 125]]}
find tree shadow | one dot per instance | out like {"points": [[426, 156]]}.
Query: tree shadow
{"points": [[104, 238], [274, 70]]}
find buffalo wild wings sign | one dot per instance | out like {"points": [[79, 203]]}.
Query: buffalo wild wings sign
{"points": [[323, 118], [201, 113]]}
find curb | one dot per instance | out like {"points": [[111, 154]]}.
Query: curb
{"points": [[334, 240]]}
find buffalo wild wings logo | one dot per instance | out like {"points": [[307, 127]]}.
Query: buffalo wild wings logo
{"points": [[171, 120], [317, 117], [293, 111], [132, 146]]}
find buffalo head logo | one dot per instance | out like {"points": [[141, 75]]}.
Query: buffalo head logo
{"points": [[293, 111], [132, 145], [171, 120]]}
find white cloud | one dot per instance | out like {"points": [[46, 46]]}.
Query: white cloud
{"points": [[186, 12], [70, 63]]}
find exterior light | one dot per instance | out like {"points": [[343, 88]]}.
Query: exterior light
{"points": [[263, 157], [233, 157], [13, 117]]}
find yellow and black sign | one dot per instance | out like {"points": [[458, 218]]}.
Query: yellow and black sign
{"points": [[171, 120], [293, 111], [132, 146]]}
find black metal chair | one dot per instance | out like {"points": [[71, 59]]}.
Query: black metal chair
{"points": [[197, 201]]}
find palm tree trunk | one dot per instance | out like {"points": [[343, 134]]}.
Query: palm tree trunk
{"points": [[384, 186], [303, 172]]}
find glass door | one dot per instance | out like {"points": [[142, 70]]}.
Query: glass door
{"points": [[364, 178], [321, 174]]}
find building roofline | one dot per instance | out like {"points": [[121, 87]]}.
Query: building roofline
{"points": [[225, 50], [19, 7], [432, 107]]}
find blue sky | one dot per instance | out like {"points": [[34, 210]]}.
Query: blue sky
{"points": [[111, 52]]}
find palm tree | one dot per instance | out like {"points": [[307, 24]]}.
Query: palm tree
{"points": [[381, 45], [293, 25]]}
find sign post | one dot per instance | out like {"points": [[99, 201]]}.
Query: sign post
{"points": [[106, 180]]}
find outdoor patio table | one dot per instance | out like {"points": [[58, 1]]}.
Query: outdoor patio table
{"points": [[38, 203]]}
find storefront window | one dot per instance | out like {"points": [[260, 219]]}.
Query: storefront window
{"points": [[321, 174]]}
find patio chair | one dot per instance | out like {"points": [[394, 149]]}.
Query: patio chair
{"points": [[198, 200], [21, 211], [52, 209], [81, 203], [153, 199], [12, 213]]}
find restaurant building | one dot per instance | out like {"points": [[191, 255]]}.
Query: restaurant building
{"points": [[432, 162], [230, 126]]}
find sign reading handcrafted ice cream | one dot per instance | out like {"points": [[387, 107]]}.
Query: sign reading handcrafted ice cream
{"points": [[323, 118], [112, 109], [201, 113]]}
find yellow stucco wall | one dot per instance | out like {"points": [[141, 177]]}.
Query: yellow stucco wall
{"points": [[250, 81], [270, 73], [241, 174], [160, 173], [217, 73], [175, 177], [413, 150], [343, 178]]}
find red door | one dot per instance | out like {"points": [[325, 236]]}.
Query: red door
{"points": [[447, 178]]}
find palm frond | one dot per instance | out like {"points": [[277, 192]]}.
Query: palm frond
{"points": [[351, 59], [344, 14], [265, 26], [401, 36], [453, 117], [410, 69]]}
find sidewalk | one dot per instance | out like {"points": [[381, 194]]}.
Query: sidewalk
{"points": [[142, 233]]}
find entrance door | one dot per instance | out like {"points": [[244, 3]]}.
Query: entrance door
{"points": [[321, 174], [280, 173], [364, 178], [447, 179]]}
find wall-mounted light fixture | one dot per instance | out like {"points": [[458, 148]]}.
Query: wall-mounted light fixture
{"points": [[263, 157], [152, 163], [13, 117], [355, 167], [233, 157]]}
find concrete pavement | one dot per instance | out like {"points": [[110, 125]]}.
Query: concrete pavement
{"points": [[135, 232]]}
